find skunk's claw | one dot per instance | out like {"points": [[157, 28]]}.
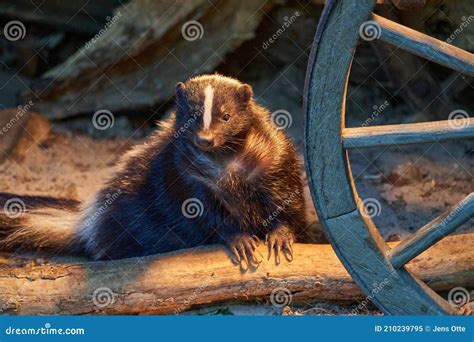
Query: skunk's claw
{"points": [[244, 251], [280, 240]]}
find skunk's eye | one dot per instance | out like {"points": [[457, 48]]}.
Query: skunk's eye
{"points": [[226, 117]]}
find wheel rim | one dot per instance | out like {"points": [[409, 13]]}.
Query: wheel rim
{"points": [[354, 237]]}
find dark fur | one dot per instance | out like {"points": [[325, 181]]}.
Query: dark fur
{"points": [[245, 179]]}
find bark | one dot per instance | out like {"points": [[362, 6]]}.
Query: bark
{"points": [[173, 282]]}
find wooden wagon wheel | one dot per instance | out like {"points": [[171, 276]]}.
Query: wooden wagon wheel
{"points": [[357, 242]]}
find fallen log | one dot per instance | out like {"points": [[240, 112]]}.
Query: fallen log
{"points": [[173, 282]]}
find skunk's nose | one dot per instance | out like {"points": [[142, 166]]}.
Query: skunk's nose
{"points": [[204, 142]]}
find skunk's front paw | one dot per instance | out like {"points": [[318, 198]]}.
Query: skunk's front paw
{"points": [[280, 239], [244, 250]]}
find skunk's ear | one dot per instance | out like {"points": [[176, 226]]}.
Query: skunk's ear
{"points": [[180, 91], [244, 93], [180, 96]]}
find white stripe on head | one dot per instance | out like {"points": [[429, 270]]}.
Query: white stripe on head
{"points": [[208, 99]]}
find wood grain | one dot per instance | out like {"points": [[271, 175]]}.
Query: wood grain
{"points": [[324, 105], [423, 132], [361, 249], [174, 282], [432, 232], [425, 46]]}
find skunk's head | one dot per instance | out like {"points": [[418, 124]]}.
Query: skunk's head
{"points": [[215, 111]]}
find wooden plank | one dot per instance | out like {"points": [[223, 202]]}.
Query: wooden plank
{"points": [[425, 46], [174, 282], [362, 251], [433, 232], [423, 132], [324, 105]]}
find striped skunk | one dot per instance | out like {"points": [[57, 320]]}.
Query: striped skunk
{"points": [[216, 171]]}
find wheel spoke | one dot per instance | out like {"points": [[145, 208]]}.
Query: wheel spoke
{"points": [[422, 132], [433, 232], [425, 46]]}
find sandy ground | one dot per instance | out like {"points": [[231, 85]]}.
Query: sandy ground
{"points": [[73, 167], [414, 184]]}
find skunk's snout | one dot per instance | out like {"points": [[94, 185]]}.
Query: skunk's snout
{"points": [[204, 141]]}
